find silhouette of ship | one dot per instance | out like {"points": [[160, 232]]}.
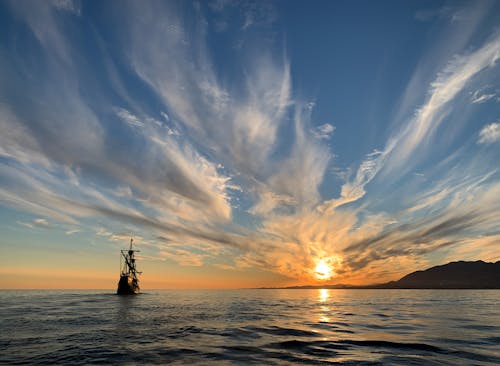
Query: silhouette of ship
{"points": [[129, 283]]}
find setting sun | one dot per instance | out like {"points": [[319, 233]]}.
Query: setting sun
{"points": [[323, 271]]}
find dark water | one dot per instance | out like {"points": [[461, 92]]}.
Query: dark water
{"points": [[263, 327]]}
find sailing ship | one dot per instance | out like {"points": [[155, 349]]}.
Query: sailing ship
{"points": [[129, 283]]}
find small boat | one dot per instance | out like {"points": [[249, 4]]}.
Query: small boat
{"points": [[129, 283]]}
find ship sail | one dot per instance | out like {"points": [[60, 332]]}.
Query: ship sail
{"points": [[129, 282]]}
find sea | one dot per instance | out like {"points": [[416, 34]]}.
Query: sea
{"points": [[250, 327]]}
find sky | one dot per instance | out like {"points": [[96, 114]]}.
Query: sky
{"points": [[246, 143]]}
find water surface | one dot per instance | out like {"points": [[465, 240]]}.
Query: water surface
{"points": [[271, 327]]}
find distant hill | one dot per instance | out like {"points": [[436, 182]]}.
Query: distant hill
{"points": [[460, 274], [454, 275]]}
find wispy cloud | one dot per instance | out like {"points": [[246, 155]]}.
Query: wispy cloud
{"points": [[434, 232], [193, 94], [354, 189], [398, 156], [248, 13], [445, 12], [479, 96], [300, 174], [71, 6], [182, 256], [323, 132], [490, 133], [129, 118], [37, 223], [448, 84]]}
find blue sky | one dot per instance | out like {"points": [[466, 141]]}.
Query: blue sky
{"points": [[248, 140]]}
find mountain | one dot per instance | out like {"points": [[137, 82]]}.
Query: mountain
{"points": [[460, 274], [454, 275]]}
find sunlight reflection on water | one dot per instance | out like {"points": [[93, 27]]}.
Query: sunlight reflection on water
{"points": [[323, 296]]}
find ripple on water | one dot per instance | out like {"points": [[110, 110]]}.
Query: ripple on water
{"points": [[250, 327]]}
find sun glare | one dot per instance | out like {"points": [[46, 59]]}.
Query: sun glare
{"points": [[323, 271]]}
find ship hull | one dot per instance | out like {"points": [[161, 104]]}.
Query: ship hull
{"points": [[127, 286]]}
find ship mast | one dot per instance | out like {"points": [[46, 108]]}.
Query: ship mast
{"points": [[129, 265]]}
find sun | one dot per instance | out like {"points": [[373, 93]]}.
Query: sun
{"points": [[323, 271]]}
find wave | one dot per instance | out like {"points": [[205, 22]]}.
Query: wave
{"points": [[234, 327]]}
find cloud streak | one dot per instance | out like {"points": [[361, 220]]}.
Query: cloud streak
{"points": [[419, 131], [490, 133]]}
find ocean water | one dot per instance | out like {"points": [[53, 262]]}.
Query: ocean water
{"points": [[261, 327]]}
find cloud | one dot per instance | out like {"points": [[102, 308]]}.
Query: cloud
{"points": [[444, 12], [323, 132], [189, 86], [354, 189], [124, 191], [448, 84], [430, 233], [248, 12], [258, 14], [182, 256], [37, 223], [16, 141], [268, 201], [171, 174], [489, 134], [55, 88], [165, 115], [450, 14], [394, 161], [71, 6], [129, 118], [478, 97], [103, 232], [219, 5], [301, 173]]}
